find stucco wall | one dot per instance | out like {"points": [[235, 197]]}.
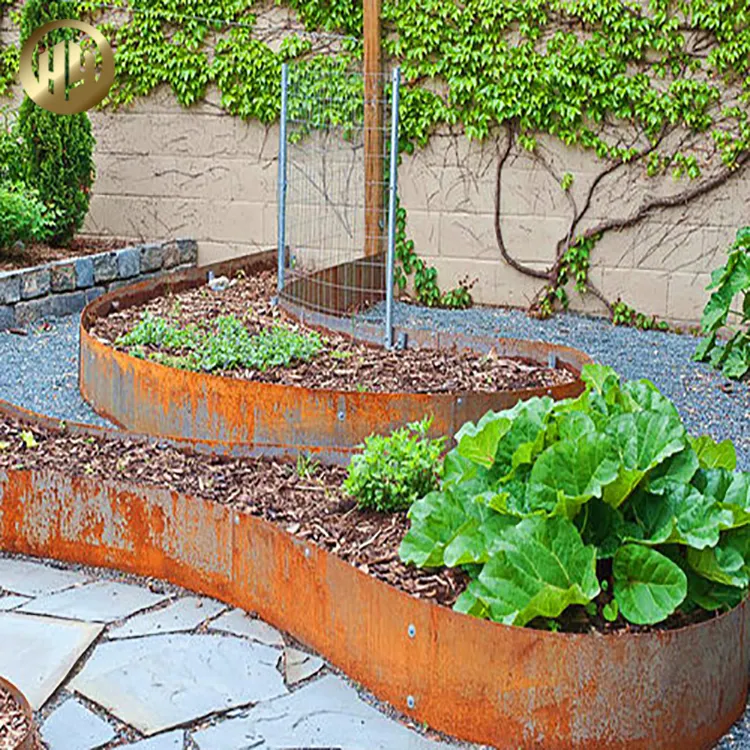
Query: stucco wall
{"points": [[165, 172]]}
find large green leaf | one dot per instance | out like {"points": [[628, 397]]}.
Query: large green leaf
{"points": [[728, 562], [435, 519], [643, 441], [525, 439], [677, 469], [478, 443], [541, 567], [643, 395], [713, 455], [648, 586], [605, 527], [736, 499], [570, 473], [683, 515], [477, 539]]}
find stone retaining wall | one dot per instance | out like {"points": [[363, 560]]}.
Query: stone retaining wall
{"points": [[65, 287]]}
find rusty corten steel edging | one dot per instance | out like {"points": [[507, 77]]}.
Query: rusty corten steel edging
{"points": [[244, 416], [476, 680], [27, 743]]}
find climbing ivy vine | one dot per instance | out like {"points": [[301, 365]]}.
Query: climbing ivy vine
{"points": [[655, 89]]}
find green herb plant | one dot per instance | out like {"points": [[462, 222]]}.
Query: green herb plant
{"points": [[603, 501], [225, 344], [23, 216], [731, 356], [393, 471]]}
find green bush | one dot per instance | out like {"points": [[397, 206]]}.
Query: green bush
{"points": [[224, 345], [392, 472], [23, 217], [603, 501], [55, 155], [732, 356]]}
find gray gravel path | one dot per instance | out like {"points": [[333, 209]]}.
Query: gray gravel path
{"points": [[40, 371]]}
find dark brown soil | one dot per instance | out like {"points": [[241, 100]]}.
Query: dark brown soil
{"points": [[308, 504], [13, 259], [14, 724], [344, 364]]}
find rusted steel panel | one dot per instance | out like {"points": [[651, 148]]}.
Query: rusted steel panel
{"points": [[243, 416], [477, 680]]}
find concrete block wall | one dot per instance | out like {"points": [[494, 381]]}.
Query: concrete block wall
{"points": [[67, 286]]}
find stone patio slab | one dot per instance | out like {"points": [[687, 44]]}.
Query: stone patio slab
{"points": [[326, 714], [169, 741], [73, 727], [42, 653], [183, 615], [35, 579], [103, 601], [163, 681], [239, 623], [300, 666], [12, 601]]}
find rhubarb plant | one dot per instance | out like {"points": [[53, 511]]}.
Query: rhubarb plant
{"points": [[730, 285], [603, 501]]}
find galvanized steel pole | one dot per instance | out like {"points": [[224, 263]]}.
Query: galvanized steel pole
{"points": [[282, 179], [392, 207]]}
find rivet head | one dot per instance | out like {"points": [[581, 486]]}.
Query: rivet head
{"points": [[307, 552], [412, 631], [236, 520], [410, 702], [341, 416]]}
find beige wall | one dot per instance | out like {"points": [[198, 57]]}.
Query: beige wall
{"points": [[165, 172]]}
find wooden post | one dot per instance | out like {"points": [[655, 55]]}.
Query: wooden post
{"points": [[374, 174]]}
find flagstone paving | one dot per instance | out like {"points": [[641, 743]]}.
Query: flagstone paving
{"points": [[109, 663]]}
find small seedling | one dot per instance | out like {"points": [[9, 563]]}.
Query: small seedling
{"points": [[28, 439], [306, 466]]}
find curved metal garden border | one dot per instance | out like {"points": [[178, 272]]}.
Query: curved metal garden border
{"points": [[241, 417], [474, 679]]}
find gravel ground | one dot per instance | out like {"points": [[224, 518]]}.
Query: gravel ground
{"points": [[708, 402], [40, 371]]}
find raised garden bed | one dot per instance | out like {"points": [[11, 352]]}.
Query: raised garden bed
{"points": [[505, 686], [35, 254], [338, 362], [64, 286], [326, 405], [17, 728]]}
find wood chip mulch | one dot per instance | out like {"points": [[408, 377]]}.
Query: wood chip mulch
{"points": [[14, 724], [313, 508], [344, 364], [15, 258]]}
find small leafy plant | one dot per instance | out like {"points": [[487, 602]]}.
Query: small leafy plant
{"points": [[393, 471], [602, 502], [23, 217], [225, 345], [625, 315], [732, 356]]}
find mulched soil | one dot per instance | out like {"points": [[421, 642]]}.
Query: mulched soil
{"points": [[344, 364], [14, 724], [12, 259]]}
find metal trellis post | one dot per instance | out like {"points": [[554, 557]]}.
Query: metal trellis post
{"points": [[282, 186], [392, 208]]}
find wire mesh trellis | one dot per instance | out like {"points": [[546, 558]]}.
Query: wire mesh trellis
{"points": [[337, 215]]}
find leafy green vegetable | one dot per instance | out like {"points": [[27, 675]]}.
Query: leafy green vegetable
{"points": [[546, 504], [648, 586]]}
